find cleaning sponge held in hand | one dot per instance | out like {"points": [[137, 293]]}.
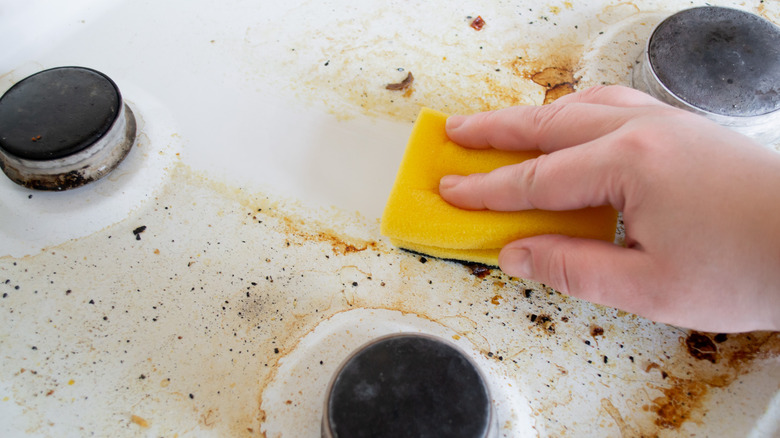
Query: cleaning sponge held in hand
{"points": [[416, 218]]}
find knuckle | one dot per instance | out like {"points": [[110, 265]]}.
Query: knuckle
{"points": [[594, 92], [556, 270], [528, 177], [544, 120]]}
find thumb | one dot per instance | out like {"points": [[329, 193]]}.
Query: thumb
{"points": [[593, 270]]}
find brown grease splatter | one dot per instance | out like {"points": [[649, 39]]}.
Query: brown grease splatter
{"points": [[596, 331], [558, 82], [701, 347]]}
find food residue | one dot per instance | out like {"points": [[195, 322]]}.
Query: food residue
{"points": [[478, 23], [403, 85], [139, 421], [479, 271]]}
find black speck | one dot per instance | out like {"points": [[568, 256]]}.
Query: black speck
{"points": [[720, 337], [5, 295], [327, 62], [354, 283], [68, 292], [533, 318], [528, 293], [91, 301], [137, 232], [34, 347], [276, 351], [29, 196], [192, 396], [606, 359], [142, 377], [423, 260]]}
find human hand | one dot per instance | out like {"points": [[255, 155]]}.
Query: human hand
{"points": [[700, 204]]}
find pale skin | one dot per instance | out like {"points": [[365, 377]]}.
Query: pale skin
{"points": [[700, 203]]}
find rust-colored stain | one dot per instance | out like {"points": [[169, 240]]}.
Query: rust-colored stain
{"points": [[679, 403], [684, 398], [340, 245]]}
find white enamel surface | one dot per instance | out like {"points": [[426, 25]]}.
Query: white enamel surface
{"points": [[267, 147]]}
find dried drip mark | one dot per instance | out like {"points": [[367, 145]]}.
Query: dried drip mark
{"points": [[338, 244]]}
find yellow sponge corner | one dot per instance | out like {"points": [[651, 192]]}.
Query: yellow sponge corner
{"points": [[418, 219]]}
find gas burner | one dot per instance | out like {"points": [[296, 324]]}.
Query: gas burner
{"points": [[62, 128], [408, 385], [718, 62]]}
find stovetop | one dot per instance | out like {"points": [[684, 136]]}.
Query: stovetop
{"points": [[212, 284]]}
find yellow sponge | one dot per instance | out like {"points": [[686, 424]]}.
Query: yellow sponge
{"points": [[418, 219]]}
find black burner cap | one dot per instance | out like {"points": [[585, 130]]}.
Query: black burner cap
{"points": [[408, 386], [57, 113], [720, 60]]}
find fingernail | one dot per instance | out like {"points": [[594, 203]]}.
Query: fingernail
{"points": [[449, 181], [454, 122], [517, 262]]}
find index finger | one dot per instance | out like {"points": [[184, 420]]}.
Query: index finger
{"points": [[551, 127]]}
